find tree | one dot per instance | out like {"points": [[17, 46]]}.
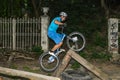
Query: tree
{"points": [[111, 7], [105, 7], [37, 8]]}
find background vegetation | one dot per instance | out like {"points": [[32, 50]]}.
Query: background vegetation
{"points": [[86, 16]]}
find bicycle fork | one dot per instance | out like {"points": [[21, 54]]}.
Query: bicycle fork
{"points": [[57, 52]]}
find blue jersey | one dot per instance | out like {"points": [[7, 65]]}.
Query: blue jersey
{"points": [[53, 26]]}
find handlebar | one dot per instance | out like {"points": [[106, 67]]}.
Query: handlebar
{"points": [[65, 25], [62, 27]]}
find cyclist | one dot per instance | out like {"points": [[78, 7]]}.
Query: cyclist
{"points": [[52, 32]]}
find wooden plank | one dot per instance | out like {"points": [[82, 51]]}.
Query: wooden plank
{"points": [[89, 66], [29, 75], [71, 54], [63, 65]]}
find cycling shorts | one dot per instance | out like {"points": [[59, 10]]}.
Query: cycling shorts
{"points": [[56, 37]]}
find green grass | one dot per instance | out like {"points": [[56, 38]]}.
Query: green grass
{"points": [[37, 49], [75, 65], [103, 56], [27, 68], [13, 66]]}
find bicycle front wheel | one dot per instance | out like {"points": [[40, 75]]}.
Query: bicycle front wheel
{"points": [[76, 41], [46, 64]]}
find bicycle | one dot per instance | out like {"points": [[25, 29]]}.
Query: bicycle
{"points": [[75, 39]]}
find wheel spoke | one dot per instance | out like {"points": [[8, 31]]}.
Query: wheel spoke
{"points": [[44, 62], [76, 45], [79, 43]]}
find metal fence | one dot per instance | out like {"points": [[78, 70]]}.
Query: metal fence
{"points": [[20, 33]]}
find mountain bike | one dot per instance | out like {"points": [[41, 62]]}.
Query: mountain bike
{"points": [[75, 41]]}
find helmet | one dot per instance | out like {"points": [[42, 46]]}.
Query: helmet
{"points": [[63, 14]]}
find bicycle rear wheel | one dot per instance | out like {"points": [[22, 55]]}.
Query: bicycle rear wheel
{"points": [[76, 41], [45, 64]]}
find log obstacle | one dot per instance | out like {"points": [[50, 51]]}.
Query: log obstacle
{"points": [[71, 54], [24, 74], [1, 78]]}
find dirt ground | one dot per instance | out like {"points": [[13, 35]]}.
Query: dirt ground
{"points": [[33, 66], [112, 69]]}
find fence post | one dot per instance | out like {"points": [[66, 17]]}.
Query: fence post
{"points": [[113, 38], [44, 26], [14, 33], [13, 39]]}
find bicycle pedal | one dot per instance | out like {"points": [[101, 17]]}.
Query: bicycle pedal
{"points": [[52, 54], [62, 50]]}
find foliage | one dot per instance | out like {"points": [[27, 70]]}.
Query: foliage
{"points": [[37, 49], [26, 68], [99, 39], [10, 8], [104, 56], [13, 66], [83, 54], [75, 65]]}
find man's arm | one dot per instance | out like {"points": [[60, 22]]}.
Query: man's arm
{"points": [[59, 23]]}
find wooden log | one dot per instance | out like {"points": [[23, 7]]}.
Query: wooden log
{"points": [[24, 74], [1, 78], [63, 65], [89, 66]]}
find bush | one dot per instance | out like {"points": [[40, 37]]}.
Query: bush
{"points": [[100, 40], [103, 56], [75, 65], [37, 49]]}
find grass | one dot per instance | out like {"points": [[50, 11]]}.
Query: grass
{"points": [[26, 68], [13, 66], [37, 49], [75, 65], [103, 56]]}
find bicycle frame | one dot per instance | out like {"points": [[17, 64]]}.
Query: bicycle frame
{"points": [[73, 39]]}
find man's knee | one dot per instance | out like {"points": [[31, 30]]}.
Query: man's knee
{"points": [[60, 43]]}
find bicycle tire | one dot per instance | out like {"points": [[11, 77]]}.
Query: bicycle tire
{"points": [[81, 45], [51, 66]]}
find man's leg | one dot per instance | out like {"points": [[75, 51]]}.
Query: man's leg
{"points": [[51, 52], [57, 46]]}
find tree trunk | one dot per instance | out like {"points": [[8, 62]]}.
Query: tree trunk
{"points": [[35, 8], [105, 7]]}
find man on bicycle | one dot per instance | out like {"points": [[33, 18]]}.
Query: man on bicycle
{"points": [[52, 31]]}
